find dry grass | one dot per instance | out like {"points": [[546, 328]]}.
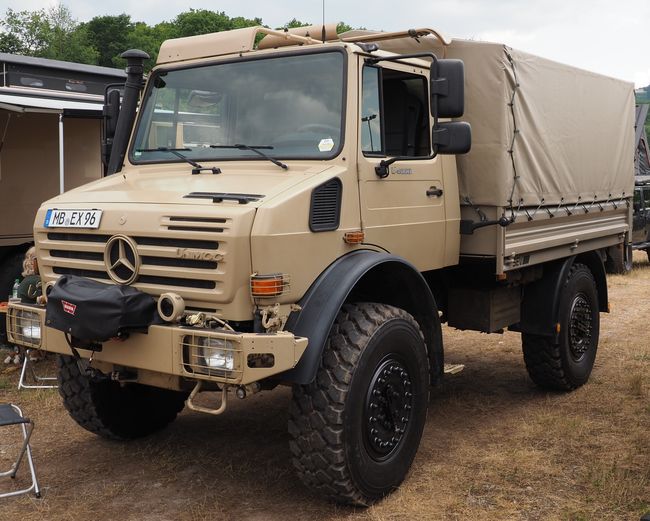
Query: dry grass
{"points": [[495, 447]]}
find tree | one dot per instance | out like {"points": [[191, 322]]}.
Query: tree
{"points": [[110, 36], [51, 33], [66, 40], [293, 24], [149, 39], [203, 21], [25, 32]]}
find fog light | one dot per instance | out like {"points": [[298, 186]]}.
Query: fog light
{"points": [[217, 353]]}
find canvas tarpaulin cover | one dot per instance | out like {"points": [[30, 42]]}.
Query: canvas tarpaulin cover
{"points": [[543, 133]]}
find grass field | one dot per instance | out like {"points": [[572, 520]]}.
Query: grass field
{"points": [[494, 447]]}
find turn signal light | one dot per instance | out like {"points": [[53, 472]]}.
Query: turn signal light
{"points": [[356, 237], [268, 285]]}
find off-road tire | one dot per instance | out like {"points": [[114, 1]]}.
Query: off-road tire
{"points": [[567, 365], [114, 411], [338, 423]]}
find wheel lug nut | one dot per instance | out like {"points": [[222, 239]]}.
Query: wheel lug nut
{"points": [[373, 419], [373, 431], [403, 374], [405, 419]]}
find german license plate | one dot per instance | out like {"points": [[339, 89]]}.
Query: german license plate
{"points": [[72, 218]]}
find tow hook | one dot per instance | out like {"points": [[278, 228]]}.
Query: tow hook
{"points": [[243, 391]]}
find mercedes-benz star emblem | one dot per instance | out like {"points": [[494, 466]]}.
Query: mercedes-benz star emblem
{"points": [[121, 259]]}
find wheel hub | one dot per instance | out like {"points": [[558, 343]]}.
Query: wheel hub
{"points": [[580, 326], [388, 410]]}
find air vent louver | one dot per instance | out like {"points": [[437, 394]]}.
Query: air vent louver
{"points": [[325, 210]]}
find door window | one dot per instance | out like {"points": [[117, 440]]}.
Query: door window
{"points": [[394, 114]]}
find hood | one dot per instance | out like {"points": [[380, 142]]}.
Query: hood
{"points": [[172, 183]]}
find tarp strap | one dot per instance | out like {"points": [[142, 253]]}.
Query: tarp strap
{"points": [[515, 131]]}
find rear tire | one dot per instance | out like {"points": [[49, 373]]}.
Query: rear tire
{"points": [[567, 365], [357, 427], [115, 411]]}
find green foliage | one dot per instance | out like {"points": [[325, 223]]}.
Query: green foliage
{"points": [[293, 23], [202, 21], [24, 32], [109, 35]]}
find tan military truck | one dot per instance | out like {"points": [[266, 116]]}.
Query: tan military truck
{"points": [[50, 141], [303, 212]]}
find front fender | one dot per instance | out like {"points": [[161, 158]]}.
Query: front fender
{"points": [[362, 275]]}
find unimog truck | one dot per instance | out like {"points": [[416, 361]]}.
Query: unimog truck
{"points": [[308, 209]]}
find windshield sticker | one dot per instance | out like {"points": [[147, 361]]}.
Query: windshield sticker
{"points": [[326, 144]]}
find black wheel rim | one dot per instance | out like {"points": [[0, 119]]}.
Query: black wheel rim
{"points": [[388, 408], [580, 326]]}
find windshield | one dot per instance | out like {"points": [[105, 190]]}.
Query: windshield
{"points": [[289, 106]]}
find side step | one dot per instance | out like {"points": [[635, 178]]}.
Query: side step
{"points": [[454, 368]]}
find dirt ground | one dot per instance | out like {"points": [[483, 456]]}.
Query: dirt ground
{"points": [[494, 447]]}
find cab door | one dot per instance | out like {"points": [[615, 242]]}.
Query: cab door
{"points": [[403, 212]]}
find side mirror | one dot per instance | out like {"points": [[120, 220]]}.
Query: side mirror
{"points": [[111, 112], [447, 88], [452, 137]]}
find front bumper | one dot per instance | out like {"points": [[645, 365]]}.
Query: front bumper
{"points": [[172, 349]]}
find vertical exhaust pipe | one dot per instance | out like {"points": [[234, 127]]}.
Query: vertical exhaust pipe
{"points": [[134, 82]]}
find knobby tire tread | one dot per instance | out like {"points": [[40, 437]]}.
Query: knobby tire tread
{"points": [[543, 357], [316, 412], [91, 404]]}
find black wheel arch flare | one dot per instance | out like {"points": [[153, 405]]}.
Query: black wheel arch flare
{"points": [[363, 275], [540, 306]]}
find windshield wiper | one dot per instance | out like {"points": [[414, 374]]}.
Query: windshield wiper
{"points": [[177, 152], [256, 149]]}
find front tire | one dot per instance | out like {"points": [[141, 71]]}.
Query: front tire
{"points": [[114, 411], [357, 427], [567, 365]]}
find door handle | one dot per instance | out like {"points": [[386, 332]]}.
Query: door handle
{"points": [[434, 192]]}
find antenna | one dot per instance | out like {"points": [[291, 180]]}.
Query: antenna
{"points": [[323, 30]]}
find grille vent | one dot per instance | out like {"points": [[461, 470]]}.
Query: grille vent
{"points": [[325, 210]]}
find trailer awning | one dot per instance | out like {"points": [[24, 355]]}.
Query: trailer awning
{"points": [[45, 105]]}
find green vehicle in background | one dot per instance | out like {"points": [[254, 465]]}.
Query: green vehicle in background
{"points": [[641, 216]]}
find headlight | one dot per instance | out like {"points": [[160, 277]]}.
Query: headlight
{"points": [[217, 353], [26, 328], [211, 356], [32, 333]]}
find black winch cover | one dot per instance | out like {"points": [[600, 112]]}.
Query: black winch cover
{"points": [[97, 312]]}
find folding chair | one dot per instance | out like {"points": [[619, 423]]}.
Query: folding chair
{"points": [[11, 414], [27, 364]]}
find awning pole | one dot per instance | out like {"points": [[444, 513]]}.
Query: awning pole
{"points": [[61, 169]]}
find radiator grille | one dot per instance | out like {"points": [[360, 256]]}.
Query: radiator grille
{"points": [[184, 254]]}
